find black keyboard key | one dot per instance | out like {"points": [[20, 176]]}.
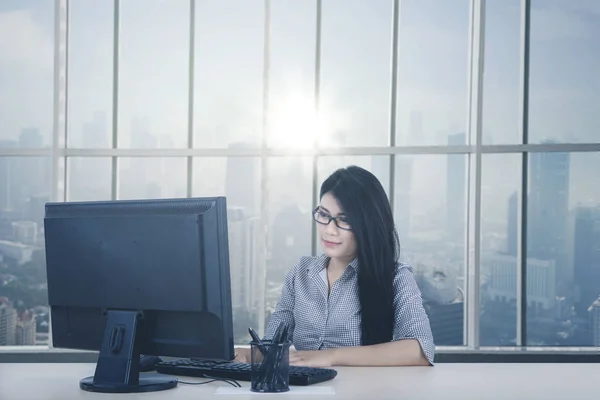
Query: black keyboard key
{"points": [[299, 376]]}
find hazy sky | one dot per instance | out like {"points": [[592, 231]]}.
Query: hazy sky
{"points": [[354, 72]]}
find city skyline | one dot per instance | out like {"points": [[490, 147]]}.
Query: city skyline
{"points": [[262, 95]]}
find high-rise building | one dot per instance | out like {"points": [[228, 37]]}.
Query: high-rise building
{"points": [[247, 270], [8, 323], [548, 212], [240, 264], [586, 256], [447, 322], [31, 174], [25, 329], [503, 280], [512, 233], [403, 186], [242, 183], [25, 232], [31, 138], [444, 303], [594, 326], [7, 176], [456, 191], [415, 129], [95, 132]]}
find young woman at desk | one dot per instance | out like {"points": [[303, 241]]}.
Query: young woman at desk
{"points": [[355, 305]]}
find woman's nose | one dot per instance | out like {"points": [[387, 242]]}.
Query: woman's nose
{"points": [[331, 227]]}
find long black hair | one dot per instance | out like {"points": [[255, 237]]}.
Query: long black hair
{"points": [[368, 211]]}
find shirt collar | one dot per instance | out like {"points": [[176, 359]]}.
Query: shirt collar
{"points": [[321, 262]]}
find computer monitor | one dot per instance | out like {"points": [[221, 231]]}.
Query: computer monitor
{"points": [[139, 277]]}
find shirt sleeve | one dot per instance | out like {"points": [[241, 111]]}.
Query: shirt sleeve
{"points": [[284, 310], [411, 320]]}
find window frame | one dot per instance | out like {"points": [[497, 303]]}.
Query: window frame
{"points": [[471, 350]]}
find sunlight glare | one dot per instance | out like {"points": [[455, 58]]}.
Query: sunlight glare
{"points": [[294, 123]]}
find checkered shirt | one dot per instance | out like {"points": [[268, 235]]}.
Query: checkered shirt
{"points": [[321, 321]]}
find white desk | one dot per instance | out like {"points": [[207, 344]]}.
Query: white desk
{"points": [[444, 381]]}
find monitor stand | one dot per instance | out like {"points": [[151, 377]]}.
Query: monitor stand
{"points": [[118, 366]]}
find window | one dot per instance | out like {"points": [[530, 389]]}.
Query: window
{"points": [[500, 222], [239, 179], [26, 73], [89, 178], [89, 121], [292, 117], [563, 250], [260, 101], [502, 78], [289, 228], [228, 73], [564, 85], [25, 187], [153, 74], [433, 48], [430, 197], [152, 178], [355, 73]]}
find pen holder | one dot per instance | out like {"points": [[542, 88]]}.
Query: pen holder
{"points": [[270, 366]]}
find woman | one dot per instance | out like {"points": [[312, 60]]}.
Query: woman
{"points": [[354, 305]]}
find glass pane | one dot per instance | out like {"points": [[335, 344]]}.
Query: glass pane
{"points": [[500, 215], [152, 177], [433, 55], [564, 103], [563, 249], [153, 73], [89, 178], [238, 178], [60, 193], [292, 117], [90, 86], [228, 85], [430, 204], [24, 190], [502, 78], [355, 79], [26, 73], [290, 222], [378, 165]]}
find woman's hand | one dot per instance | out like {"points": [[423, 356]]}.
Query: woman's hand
{"points": [[242, 355], [316, 358]]}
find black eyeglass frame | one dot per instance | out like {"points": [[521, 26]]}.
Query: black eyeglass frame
{"points": [[330, 218]]}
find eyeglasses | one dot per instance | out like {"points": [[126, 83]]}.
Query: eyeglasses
{"points": [[323, 218]]}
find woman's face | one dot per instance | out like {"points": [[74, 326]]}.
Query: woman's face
{"points": [[337, 243]]}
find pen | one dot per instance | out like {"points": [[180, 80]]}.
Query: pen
{"points": [[256, 338]]}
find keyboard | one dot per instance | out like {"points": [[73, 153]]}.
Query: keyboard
{"points": [[299, 376]]}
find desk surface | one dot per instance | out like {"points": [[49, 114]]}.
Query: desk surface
{"points": [[444, 381]]}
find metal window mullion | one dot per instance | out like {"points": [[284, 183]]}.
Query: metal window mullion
{"points": [[191, 86], [317, 97], [67, 35], [56, 112], [467, 310], [264, 163], [283, 152], [394, 101], [522, 243], [115, 100], [56, 109], [475, 123]]}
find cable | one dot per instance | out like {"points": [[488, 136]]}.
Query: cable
{"points": [[232, 382]]}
